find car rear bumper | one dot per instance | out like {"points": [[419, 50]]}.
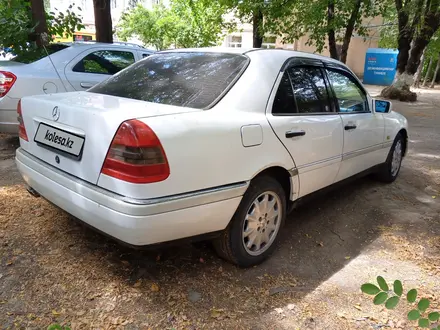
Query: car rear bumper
{"points": [[133, 221], [8, 115]]}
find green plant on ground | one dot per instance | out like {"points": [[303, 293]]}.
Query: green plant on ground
{"points": [[391, 298], [57, 326]]}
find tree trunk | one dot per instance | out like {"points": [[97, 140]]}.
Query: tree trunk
{"points": [[409, 56], [428, 71], [406, 31], [431, 23], [39, 18], [403, 40], [331, 31], [349, 30], [418, 75], [437, 68], [257, 21], [103, 21]]}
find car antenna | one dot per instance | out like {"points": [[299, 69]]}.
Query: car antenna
{"points": [[44, 40]]}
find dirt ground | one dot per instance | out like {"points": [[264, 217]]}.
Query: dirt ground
{"points": [[52, 270]]}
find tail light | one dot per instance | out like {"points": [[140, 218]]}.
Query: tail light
{"points": [[21, 129], [7, 79], [136, 155]]}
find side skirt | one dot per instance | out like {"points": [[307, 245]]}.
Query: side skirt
{"points": [[334, 186]]}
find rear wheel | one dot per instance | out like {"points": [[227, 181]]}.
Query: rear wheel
{"points": [[254, 229], [390, 170]]}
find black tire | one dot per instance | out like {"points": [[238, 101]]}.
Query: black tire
{"points": [[230, 244], [386, 174]]}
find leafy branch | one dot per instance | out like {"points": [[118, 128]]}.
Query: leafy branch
{"points": [[383, 294], [57, 326]]}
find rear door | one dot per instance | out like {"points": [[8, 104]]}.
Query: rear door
{"points": [[96, 65], [304, 120], [363, 129]]}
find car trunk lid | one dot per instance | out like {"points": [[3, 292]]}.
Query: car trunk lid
{"points": [[73, 131]]}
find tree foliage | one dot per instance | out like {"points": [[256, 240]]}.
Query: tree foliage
{"points": [[264, 15], [331, 20], [17, 28], [185, 23]]}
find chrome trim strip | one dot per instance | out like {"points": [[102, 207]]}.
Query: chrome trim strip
{"points": [[198, 193], [345, 156], [127, 205], [319, 162], [293, 171], [364, 151]]}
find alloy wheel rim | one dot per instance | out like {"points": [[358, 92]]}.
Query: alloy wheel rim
{"points": [[262, 222], [397, 158]]}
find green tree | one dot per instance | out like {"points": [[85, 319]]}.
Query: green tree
{"points": [[418, 21], [185, 23], [331, 20], [264, 15], [153, 27], [18, 28]]}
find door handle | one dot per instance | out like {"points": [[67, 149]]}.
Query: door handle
{"points": [[291, 134], [350, 127], [86, 85]]}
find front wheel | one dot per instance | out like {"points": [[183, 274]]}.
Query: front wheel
{"points": [[390, 170], [254, 229]]}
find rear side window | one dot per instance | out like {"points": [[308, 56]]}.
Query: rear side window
{"points": [[284, 102], [104, 62], [37, 54], [309, 89], [183, 79], [302, 90]]}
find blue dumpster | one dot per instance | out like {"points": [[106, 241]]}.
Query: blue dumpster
{"points": [[380, 66]]}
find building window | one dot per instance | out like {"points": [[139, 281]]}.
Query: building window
{"points": [[155, 2], [234, 41], [269, 42], [114, 4]]}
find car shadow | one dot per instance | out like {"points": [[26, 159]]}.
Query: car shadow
{"points": [[320, 237]]}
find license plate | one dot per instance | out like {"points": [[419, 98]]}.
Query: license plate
{"points": [[59, 139]]}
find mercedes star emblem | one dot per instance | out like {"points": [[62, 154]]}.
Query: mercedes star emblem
{"points": [[56, 113]]}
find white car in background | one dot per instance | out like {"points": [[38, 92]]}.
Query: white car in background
{"points": [[71, 67], [206, 143]]}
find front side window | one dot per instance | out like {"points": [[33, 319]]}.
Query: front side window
{"points": [[351, 98], [187, 79], [105, 62]]}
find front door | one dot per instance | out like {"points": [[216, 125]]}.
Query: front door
{"points": [[304, 120], [363, 129]]}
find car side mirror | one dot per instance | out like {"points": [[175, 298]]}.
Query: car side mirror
{"points": [[381, 106]]}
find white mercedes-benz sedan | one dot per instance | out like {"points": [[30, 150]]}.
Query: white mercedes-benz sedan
{"points": [[206, 143]]}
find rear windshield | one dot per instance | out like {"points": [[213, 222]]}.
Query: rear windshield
{"points": [[189, 79], [37, 54]]}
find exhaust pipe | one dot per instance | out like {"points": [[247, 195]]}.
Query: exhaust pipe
{"points": [[32, 191]]}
